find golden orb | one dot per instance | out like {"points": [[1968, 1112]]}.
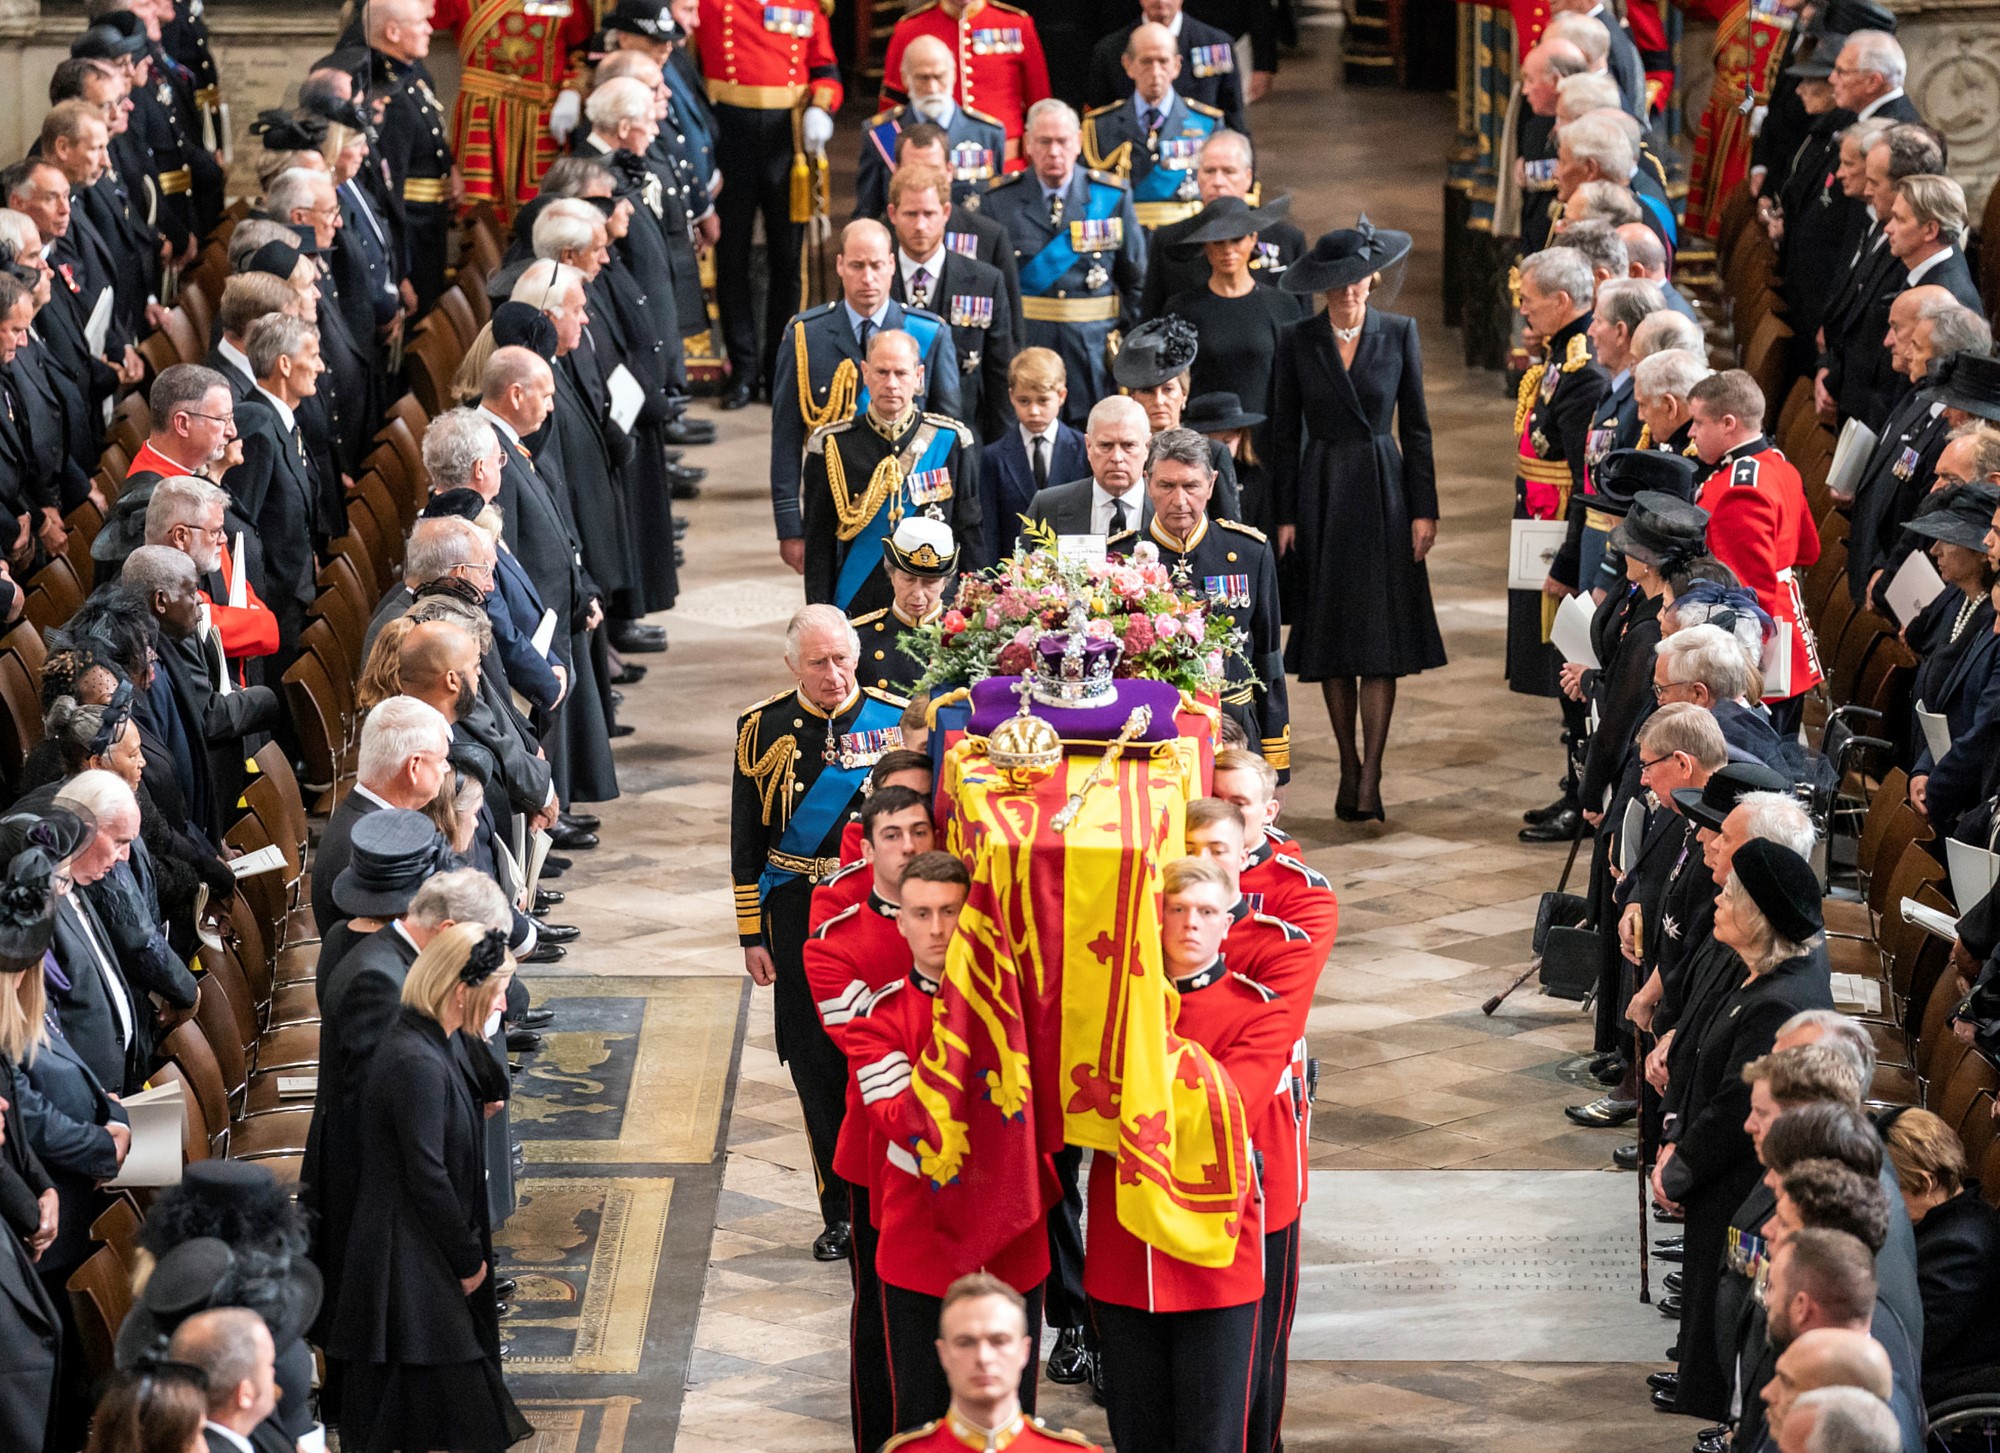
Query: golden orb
{"points": [[1024, 743]]}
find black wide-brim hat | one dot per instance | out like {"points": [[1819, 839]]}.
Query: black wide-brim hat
{"points": [[1660, 528], [1848, 16], [1817, 63], [1783, 885], [1618, 480], [522, 325], [1214, 413], [1974, 386], [395, 852], [199, 1274], [1227, 218], [1156, 351], [1345, 256], [1960, 515], [1707, 805], [104, 41]]}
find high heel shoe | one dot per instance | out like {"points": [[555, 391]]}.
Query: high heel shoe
{"points": [[1366, 814], [1346, 804]]}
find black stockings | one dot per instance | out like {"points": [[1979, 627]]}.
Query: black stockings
{"points": [[1373, 698]]}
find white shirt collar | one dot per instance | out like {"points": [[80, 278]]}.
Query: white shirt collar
{"points": [[1917, 273], [234, 1437], [285, 415], [1174, 25], [375, 798], [1028, 438], [1165, 104], [236, 356], [1101, 500], [505, 429], [1877, 104], [397, 925], [934, 265]]}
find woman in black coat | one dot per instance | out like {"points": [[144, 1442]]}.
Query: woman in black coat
{"points": [[1768, 913], [1360, 511], [417, 1331], [1958, 1256]]}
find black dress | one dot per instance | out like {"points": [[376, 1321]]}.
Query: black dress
{"points": [[421, 1358], [1239, 345], [1364, 606]]}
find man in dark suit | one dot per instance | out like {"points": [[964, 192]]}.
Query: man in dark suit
{"points": [[968, 294], [233, 1348], [273, 486], [1921, 226], [968, 232], [100, 1013], [30, 1338], [1621, 57], [1040, 450], [404, 757], [39, 188], [1208, 62], [1112, 498]]}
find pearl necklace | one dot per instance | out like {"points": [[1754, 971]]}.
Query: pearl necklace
{"points": [[1965, 614], [1347, 335]]}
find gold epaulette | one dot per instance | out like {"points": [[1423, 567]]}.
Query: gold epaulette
{"points": [[1242, 529], [1578, 354], [1203, 107], [869, 619], [816, 440], [1100, 110], [771, 700], [903, 1440], [1007, 179], [1010, 9], [946, 420], [901, 703], [1524, 401]]}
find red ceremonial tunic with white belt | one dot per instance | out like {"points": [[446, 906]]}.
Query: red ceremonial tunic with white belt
{"points": [[851, 957], [1760, 526], [1243, 1025], [765, 57], [1001, 69], [883, 1042]]}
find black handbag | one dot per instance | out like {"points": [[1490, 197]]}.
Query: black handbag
{"points": [[1565, 943]]}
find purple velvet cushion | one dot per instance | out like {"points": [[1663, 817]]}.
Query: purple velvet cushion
{"points": [[998, 697]]}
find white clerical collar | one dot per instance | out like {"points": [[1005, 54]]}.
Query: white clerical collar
{"points": [[1917, 272], [284, 409], [1877, 104]]}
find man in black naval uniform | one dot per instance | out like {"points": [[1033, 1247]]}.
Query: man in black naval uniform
{"points": [[1208, 62], [1079, 249], [919, 558], [802, 758], [817, 380], [1231, 565], [971, 296], [1226, 167], [866, 473], [424, 183], [180, 90]]}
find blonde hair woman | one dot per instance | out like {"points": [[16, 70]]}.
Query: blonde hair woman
{"points": [[1958, 1253]]}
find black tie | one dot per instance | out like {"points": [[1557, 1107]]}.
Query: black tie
{"points": [[1118, 517], [1055, 209], [867, 332], [1041, 462]]}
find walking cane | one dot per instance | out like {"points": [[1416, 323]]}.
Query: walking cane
{"points": [[1645, 1173]]}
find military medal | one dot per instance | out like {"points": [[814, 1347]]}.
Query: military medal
{"points": [[1188, 190], [1906, 464], [1213, 60], [1540, 441], [971, 312], [1097, 277], [788, 20], [971, 162], [864, 749], [997, 42], [1266, 256], [1229, 590], [1097, 234], [929, 486], [966, 244]]}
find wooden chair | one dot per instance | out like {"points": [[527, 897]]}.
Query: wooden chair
{"points": [[321, 738], [193, 299], [455, 310], [62, 582], [1764, 355], [389, 513], [20, 720], [158, 354], [407, 409], [100, 1296], [194, 1130], [117, 1227]]}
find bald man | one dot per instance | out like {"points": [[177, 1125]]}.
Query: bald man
{"points": [[975, 143], [818, 381], [1827, 1357], [1152, 135]]}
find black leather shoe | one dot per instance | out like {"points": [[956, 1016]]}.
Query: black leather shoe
{"points": [[617, 699], [682, 488], [620, 729], [1603, 1111], [680, 527], [548, 898], [1558, 829], [523, 1041], [1667, 1382], [1626, 1157], [737, 396], [689, 430], [572, 839], [1670, 1247], [628, 674], [547, 953], [588, 821], [557, 933], [1713, 1439], [1672, 1282], [504, 1288], [557, 861], [536, 1017], [686, 474], [1542, 814], [1670, 1307], [1070, 1358], [1665, 1401], [680, 558], [637, 638], [1611, 1072], [503, 1309], [832, 1243]]}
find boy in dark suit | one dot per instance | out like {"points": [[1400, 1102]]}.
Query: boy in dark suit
{"points": [[1039, 451]]}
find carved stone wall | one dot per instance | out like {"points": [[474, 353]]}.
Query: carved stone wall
{"points": [[1954, 53]]}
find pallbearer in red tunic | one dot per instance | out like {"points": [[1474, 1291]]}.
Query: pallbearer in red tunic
{"points": [[983, 1343], [897, 767], [519, 56], [1759, 525], [1749, 50]]}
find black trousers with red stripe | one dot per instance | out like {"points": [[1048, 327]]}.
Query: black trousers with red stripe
{"points": [[1177, 1382], [917, 1382], [1274, 1339]]}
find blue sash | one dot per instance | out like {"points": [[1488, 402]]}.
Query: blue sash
{"points": [[1663, 214], [819, 811], [918, 327], [864, 551], [1042, 271], [1159, 184], [884, 136]]}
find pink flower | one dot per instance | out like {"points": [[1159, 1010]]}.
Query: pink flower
{"points": [[1025, 637], [1127, 582], [1194, 625], [1213, 663], [1138, 635], [1098, 630], [1166, 625], [992, 617], [1146, 553]]}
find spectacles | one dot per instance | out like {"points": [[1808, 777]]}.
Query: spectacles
{"points": [[1943, 480], [212, 418], [1646, 766], [478, 565], [1660, 692]]}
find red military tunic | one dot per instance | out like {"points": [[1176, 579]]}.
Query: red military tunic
{"points": [[765, 57], [1279, 883], [1243, 1025], [515, 63], [1287, 889], [954, 1434], [883, 1042], [1281, 958], [1001, 70], [851, 957], [1284, 842], [850, 885], [1760, 526]]}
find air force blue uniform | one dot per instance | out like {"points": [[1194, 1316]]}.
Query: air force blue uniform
{"points": [[977, 151]]}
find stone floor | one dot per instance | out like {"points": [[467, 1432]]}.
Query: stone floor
{"points": [[742, 1336]]}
